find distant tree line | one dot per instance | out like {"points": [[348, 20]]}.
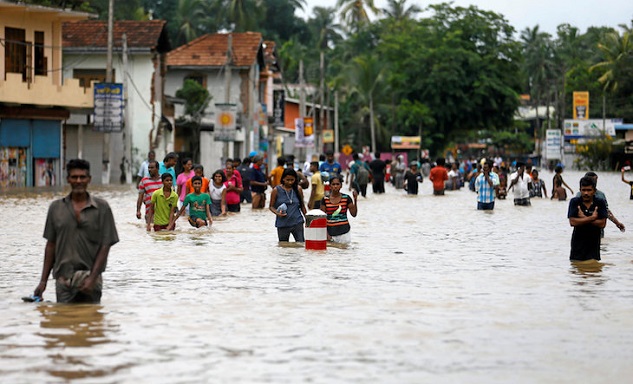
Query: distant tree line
{"points": [[452, 77]]}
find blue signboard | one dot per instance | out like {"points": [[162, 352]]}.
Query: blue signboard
{"points": [[108, 114]]}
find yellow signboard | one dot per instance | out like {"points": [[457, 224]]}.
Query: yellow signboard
{"points": [[347, 149], [405, 142], [581, 105], [328, 136]]}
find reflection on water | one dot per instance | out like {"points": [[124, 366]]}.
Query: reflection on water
{"points": [[430, 290], [67, 330], [72, 325], [588, 272]]}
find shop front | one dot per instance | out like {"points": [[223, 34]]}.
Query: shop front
{"points": [[30, 153]]}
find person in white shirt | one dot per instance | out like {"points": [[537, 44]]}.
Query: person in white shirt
{"points": [[143, 170], [520, 181]]}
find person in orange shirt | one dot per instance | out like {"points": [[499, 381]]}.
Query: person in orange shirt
{"points": [[438, 176], [275, 174], [198, 169]]}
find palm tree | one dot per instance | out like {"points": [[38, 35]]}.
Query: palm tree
{"points": [[538, 67], [366, 77], [569, 55], [326, 31], [324, 27], [243, 14], [399, 11], [188, 18], [617, 51], [355, 12]]}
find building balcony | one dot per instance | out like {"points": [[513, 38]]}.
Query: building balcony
{"points": [[42, 92]]}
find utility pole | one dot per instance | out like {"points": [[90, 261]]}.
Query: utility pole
{"points": [[322, 102], [127, 134], [105, 175], [336, 140], [302, 100], [302, 91], [227, 87]]}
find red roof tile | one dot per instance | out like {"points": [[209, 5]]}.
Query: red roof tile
{"points": [[210, 50], [94, 34]]}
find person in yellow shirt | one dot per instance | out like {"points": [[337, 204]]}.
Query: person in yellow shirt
{"points": [[275, 174], [318, 190]]}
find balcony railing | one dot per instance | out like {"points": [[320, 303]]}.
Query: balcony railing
{"points": [[41, 92]]}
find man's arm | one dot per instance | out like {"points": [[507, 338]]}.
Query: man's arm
{"points": [[352, 206], [172, 215], [312, 196], [139, 202], [49, 261], [581, 219], [150, 216], [615, 221], [303, 180], [180, 212], [209, 217]]}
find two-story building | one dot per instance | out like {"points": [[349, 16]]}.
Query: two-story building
{"points": [[35, 99], [229, 67], [141, 69]]}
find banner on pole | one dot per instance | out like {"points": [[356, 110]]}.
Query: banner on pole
{"points": [[108, 112], [304, 132], [328, 136], [581, 105], [279, 105], [225, 129], [553, 144]]}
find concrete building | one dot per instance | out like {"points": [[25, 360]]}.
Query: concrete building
{"points": [[141, 70], [35, 99], [236, 89]]}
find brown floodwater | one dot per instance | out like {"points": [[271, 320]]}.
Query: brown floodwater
{"points": [[430, 290]]}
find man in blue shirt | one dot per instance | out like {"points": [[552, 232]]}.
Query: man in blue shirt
{"points": [[333, 168], [486, 185], [168, 164]]}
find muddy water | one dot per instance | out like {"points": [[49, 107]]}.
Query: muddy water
{"points": [[431, 290]]}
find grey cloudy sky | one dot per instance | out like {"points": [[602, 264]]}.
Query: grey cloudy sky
{"points": [[548, 14]]}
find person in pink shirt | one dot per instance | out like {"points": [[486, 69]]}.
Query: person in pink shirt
{"points": [[181, 181], [234, 188]]}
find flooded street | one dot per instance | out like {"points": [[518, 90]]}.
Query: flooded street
{"points": [[431, 290]]}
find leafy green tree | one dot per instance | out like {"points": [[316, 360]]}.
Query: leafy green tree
{"points": [[280, 23], [197, 98], [366, 77], [463, 64]]}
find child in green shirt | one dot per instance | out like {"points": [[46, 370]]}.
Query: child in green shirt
{"points": [[199, 205]]}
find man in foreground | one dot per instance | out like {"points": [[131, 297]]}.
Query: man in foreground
{"points": [[79, 231], [588, 215]]}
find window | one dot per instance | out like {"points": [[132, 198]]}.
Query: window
{"points": [[41, 63], [85, 76], [198, 78], [15, 51]]}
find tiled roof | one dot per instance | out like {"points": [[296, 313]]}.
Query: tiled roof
{"points": [[94, 34], [270, 55], [210, 50]]}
